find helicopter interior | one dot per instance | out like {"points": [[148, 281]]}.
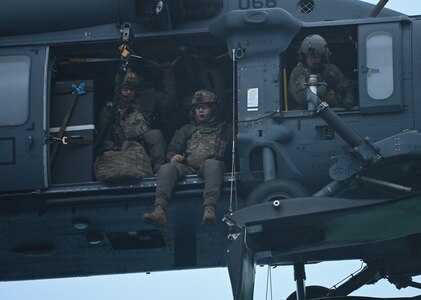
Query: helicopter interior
{"points": [[198, 61]]}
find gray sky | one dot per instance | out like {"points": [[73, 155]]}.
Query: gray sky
{"points": [[205, 284]]}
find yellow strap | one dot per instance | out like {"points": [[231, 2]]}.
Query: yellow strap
{"points": [[284, 75]]}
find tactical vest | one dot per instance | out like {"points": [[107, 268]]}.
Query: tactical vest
{"points": [[131, 126], [205, 143]]}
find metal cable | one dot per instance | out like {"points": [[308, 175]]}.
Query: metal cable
{"points": [[233, 183], [269, 283]]}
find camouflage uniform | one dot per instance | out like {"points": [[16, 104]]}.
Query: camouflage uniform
{"points": [[204, 149], [133, 121], [337, 92], [198, 147], [157, 107], [314, 56]]}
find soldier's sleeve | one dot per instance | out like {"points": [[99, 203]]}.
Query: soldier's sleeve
{"points": [[297, 87], [104, 118], [336, 72], [118, 81], [179, 142], [104, 140]]}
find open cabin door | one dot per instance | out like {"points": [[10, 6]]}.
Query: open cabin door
{"points": [[23, 97]]}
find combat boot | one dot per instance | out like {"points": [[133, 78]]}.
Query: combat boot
{"points": [[209, 216], [157, 218]]}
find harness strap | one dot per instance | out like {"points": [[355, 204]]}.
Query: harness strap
{"points": [[78, 89], [62, 90], [75, 141]]}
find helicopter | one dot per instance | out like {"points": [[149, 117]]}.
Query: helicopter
{"points": [[58, 221]]}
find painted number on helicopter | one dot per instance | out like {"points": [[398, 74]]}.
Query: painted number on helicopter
{"points": [[247, 4]]}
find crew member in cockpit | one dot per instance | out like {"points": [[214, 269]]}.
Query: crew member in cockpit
{"points": [[313, 58]]}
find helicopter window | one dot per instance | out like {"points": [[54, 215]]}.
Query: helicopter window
{"points": [[380, 65], [342, 58], [14, 90]]}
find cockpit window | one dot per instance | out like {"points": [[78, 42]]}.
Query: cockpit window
{"points": [[14, 90], [379, 65]]}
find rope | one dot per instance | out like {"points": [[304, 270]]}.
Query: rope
{"points": [[233, 186], [269, 283]]}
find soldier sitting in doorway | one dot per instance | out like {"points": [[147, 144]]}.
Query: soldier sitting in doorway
{"points": [[127, 128], [313, 58], [198, 147]]}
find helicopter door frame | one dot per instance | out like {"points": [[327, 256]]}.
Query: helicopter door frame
{"points": [[380, 69], [23, 117]]}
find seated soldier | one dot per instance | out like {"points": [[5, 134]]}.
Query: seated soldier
{"points": [[198, 147], [125, 120], [314, 59]]}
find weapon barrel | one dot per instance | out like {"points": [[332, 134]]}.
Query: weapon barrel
{"points": [[343, 129], [364, 148]]}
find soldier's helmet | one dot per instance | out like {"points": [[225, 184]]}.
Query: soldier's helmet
{"points": [[203, 96], [131, 79], [314, 44]]}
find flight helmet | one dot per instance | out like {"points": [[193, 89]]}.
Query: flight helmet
{"points": [[316, 45]]}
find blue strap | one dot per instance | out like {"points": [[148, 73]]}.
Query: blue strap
{"points": [[80, 89]]}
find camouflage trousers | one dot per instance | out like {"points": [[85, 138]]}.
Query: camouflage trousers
{"points": [[154, 142], [211, 170]]}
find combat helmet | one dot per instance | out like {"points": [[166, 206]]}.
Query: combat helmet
{"points": [[131, 79], [203, 96], [314, 44]]}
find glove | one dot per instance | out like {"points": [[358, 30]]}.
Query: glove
{"points": [[321, 92], [331, 82], [177, 158]]}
